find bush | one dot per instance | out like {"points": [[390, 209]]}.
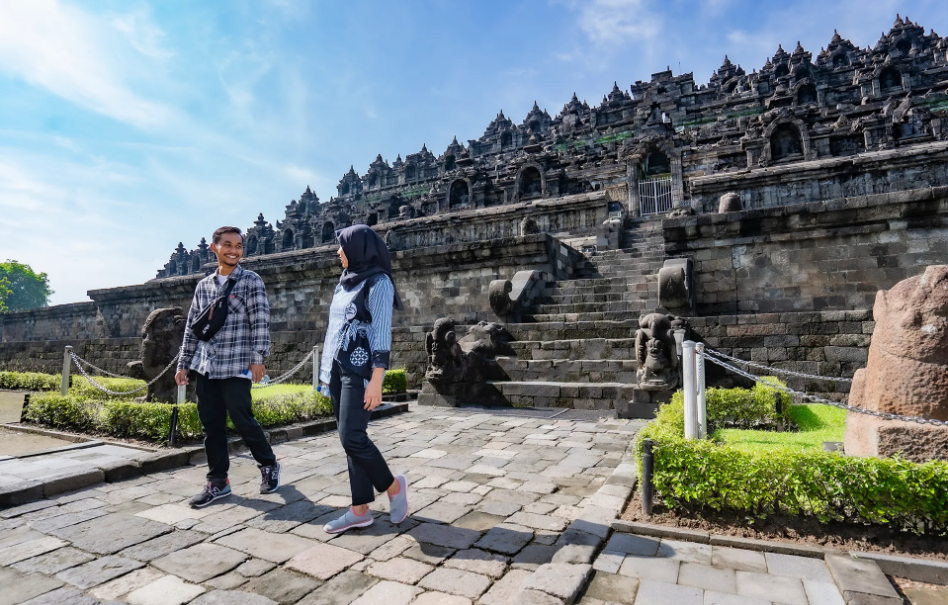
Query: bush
{"points": [[692, 475], [744, 408], [151, 421], [396, 381], [30, 381]]}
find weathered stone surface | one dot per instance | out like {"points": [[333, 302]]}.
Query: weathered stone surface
{"points": [[201, 562], [505, 540], [282, 586], [26, 550], [446, 536], [54, 562], [19, 587], [232, 597], [168, 590], [277, 548], [388, 593], [479, 562], [323, 561], [126, 584], [99, 571], [907, 368], [456, 581], [111, 533], [63, 596], [163, 545], [400, 569], [561, 580], [612, 588]]}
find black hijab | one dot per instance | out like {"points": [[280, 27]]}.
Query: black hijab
{"points": [[367, 255]]}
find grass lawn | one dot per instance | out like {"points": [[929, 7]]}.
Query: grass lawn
{"points": [[818, 423]]}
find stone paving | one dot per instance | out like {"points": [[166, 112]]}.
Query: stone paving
{"points": [[504, 510]]}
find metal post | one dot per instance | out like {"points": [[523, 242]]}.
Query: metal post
{"points": [[316, 368], [182, 395], [67, 363], [702, 401], [648, 464], [688, 386]]}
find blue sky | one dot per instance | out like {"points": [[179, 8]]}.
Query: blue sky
{"points": [[127, 126]]}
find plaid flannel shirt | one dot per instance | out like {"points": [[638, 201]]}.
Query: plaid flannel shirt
{"points": [[245, 337]]}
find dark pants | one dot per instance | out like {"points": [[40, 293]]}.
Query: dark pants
{"points": [[217, 399], [367, 467]]}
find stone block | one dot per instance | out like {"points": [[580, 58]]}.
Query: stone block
{"points": [[457, 582], [232, 597], [201, 562], [281, 585], [656, 592], [168, 590], [859, 576], [561, 580]]}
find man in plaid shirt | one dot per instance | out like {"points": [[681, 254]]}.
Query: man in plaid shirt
{"points": [[227, 364]]}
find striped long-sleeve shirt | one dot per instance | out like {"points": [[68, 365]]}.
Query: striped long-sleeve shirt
{"points": [[245, 337], [379, 331]]}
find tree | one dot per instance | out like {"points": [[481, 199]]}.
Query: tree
{"points": [[22, 288]]}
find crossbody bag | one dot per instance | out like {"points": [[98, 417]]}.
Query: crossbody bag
{"points": [[210, 321]]}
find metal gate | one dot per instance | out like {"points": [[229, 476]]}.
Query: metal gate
{"points": [[655, 195]]}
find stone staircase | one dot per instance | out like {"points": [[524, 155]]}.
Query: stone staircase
{"points": [[575, 346]]}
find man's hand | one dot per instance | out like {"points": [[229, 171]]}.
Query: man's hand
{"points": [[257, 372], [181, 378], [373, 392]]}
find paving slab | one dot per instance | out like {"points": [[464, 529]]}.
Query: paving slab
{"points": [[823, 593], [707, 577], [663, 570], [388, 593], [54, 562], [767, 586], [341, 590], [798, 567], [400, 569], [367, 539], [109, 534], [440, 598], [27, 550], [254, 568], [654, 592], [277, 548], [99, 571], [19, 587], [282, 585], [457, 582], [478, 561], [738, 559], [860, 576], [505, 539], [561, 580], [323, 561], [612, 588], [201, 562], [63, 596], [444, 535], [163, 545], [123, 585]]}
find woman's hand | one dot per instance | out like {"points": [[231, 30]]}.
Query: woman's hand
{"points": [[373, 392]]}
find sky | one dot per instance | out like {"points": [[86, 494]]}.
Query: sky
{"points": [[127, 126]]}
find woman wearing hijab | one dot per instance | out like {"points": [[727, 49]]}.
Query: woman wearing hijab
{"points": [[355, 357]]}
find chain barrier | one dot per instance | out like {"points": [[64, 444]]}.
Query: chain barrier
{"points": [[284, 377], [79, 361], [772, 369], [821, 400]]}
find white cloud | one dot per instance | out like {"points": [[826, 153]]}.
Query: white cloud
{"points": [[75, 56], [616, 22], [143, 34]]}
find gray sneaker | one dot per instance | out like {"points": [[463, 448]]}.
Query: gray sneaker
{"points": [[398, 509], [348, 521]]}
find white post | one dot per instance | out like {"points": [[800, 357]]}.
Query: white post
{"points": [[688, 386], [182, 393], [316, 367], [67, 363], [702, 396]]}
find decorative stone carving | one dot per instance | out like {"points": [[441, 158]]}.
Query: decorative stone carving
{"points": [[656, 353], [730, 202], [162, 334], [681, 211], [906, 373], [459, 370], [509, 297]]}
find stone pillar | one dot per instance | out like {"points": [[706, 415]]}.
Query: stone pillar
{"points": [[632, 172]]}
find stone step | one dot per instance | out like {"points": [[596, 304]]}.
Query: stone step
{"points": [[629, 306], [598, 316], [629, 272], [602, 286], [620, 295], [569, 370], [618, 347], [576, 395]]}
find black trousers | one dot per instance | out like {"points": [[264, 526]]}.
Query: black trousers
{"points": [[217, 399], [367, 467]]}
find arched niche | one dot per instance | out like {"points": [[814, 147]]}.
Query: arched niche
{"points": [[329, 232], [449, 162], [840, 60], [530, 182], [287, 239], [786, 142], [459, 196], [890, 78], [781, 71], [344, 188], [195, 263], [251, 245], [410, 172], [806, 94], [506, 139]]}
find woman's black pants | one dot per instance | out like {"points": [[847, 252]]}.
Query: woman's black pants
{"points": [[367, 467]]}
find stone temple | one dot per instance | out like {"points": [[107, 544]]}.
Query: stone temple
{"points": [[781, 198]]}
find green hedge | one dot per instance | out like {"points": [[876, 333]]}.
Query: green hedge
{"points": [[151, 421], [695, 475], [30, 381], [396, 381]]}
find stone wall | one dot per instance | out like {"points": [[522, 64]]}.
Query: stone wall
{"points": [[77, 320], [826, 343], [833, 255]]}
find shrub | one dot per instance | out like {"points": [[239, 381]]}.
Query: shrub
{"points": [[736, 407], [151, 421], [692, 475], [396, 381], [30, 381]]}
